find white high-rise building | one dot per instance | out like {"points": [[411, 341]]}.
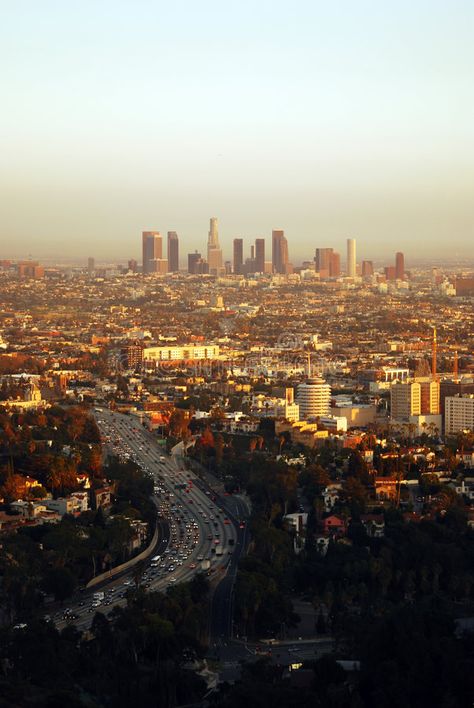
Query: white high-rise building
{"points": [[459, 413], [213, 239], [214, 252], [351, 258], [314, 398]]}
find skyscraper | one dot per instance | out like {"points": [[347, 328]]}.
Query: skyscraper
{"points": [[399, 266], [238, 255], [335, 265], [152, 249], [259, 255], [327, 263], [367, 269], [351, 270], [193, 260], [90, 267], [279, 251], [213, 238], [214, 252], [196, 264], [173, 252], [322, 259]]}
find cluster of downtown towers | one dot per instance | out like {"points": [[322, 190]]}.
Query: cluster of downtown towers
{"points": [[326, 262]]}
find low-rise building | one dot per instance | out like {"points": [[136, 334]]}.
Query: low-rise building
{"points": [[374, 525], [334, 525], [187, 352], [63, 505], [82, 500]]}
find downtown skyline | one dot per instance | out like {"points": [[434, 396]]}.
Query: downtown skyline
{"points": [[301, 248]]}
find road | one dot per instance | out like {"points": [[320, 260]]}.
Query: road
{"points": [[221, 609], [194, 526]]}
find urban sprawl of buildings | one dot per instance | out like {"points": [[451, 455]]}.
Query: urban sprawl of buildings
{"points": [[334, 351], [360, 378], [327, 354]]}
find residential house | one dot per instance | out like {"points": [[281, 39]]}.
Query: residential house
{"points": [[102, 497], [331, 495], [322, 544], [374, 525], [334, 525], [82, 499]]}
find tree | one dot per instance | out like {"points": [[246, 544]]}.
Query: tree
{"points": [[178, 424], [219, 447], [38, 492], [356, 493], [321, 623], [313, 479], [60, 582], [358, 467]]}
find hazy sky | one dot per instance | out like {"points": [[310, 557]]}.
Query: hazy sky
{"points": [[327, 119]]}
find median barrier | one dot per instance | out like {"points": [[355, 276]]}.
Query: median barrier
{"points": [[109, 574]]}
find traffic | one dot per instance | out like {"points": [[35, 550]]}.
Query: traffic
{"points": [[197, 534]]}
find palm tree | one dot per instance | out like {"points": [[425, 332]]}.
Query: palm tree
{"points": [[54, 478]]}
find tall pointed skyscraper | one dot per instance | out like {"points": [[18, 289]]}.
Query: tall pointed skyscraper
{"points": [[214, 252]]}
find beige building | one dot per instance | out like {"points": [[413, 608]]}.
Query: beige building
{"points": [[187, 352], [414, 398], [351, 267], [459, 413], [303, 433], [357, 415], [271, 407], [214, 252], [313, 397], [159, 265], [405, 400], [429, 396]]}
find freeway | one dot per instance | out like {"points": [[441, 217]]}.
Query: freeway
{"points": [[222, 599], [195, 526]]}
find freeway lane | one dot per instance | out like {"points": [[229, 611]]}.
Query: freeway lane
{"points": [[190, 505], [222, 601], [197, 526]]}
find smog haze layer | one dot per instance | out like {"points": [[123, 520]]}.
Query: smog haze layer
{"points": [[353, 120]]}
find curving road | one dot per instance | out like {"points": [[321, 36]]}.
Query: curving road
{"points": [[193, 526]]}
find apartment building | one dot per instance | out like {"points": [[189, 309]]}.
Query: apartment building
{"points": [[187, 352], [459, 413]]}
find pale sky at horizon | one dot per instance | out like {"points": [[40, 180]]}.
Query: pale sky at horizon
{"points": [[328, 120]]}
